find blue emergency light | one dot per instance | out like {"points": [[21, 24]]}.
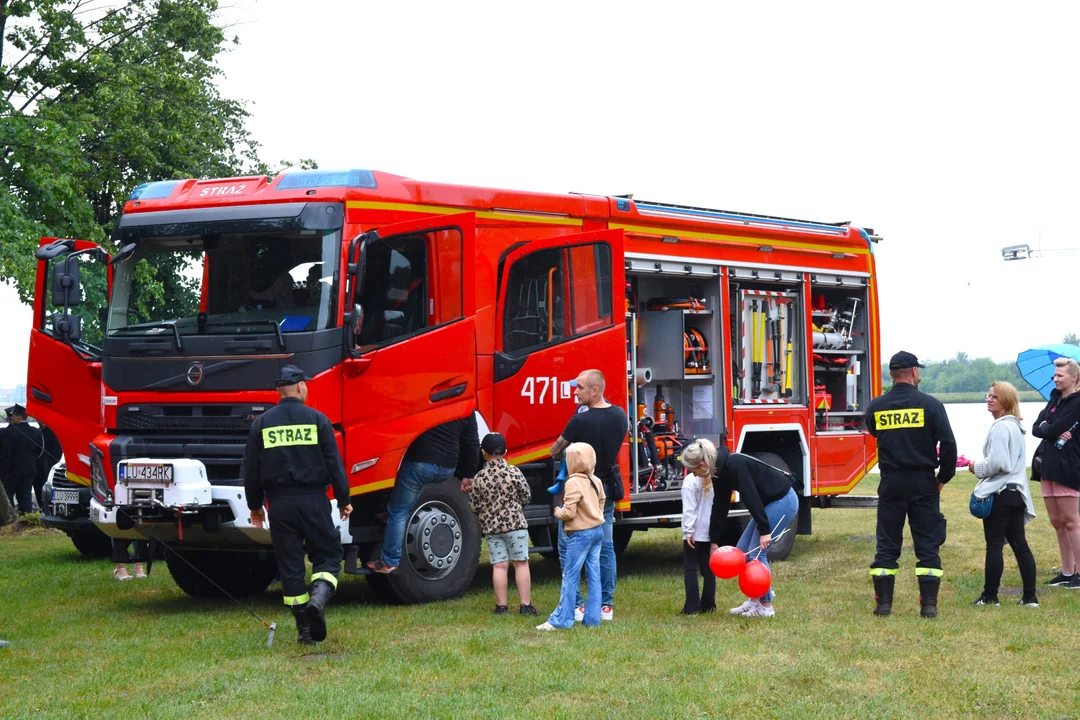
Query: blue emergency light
{"points": [[308, 179]]}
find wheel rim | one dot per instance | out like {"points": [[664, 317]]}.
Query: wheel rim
{"points": [[433, 540]]}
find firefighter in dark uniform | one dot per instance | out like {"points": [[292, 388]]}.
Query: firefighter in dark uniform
{"points": [[291, 457], [21, 445], [909, 427]]}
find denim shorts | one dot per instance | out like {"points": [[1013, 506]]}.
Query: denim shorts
{"points": [[513, 545]]}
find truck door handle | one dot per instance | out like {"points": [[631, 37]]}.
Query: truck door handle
{"points": [[42, 396], [450, 392], [239, 346]]}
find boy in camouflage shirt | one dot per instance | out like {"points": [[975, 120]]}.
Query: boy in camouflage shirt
{"points": [[498, 495]]}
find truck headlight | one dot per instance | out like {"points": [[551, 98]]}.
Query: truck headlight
{"points": [[98, 484]]}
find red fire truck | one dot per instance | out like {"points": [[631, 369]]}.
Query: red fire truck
{"points": [[413, 304]]}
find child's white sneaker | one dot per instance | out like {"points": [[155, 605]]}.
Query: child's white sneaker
{"points": [[759, 611], [579, 614], [607, 613], [745, 607], [546, 626]]}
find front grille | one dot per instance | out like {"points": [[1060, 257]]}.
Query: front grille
{"points": [[181, 418], [222, 456], [60, 480]]}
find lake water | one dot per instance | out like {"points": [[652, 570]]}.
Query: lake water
{"points": [[971, 421]]}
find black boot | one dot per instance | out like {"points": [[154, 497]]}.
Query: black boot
{"points": [[320, 592], [928, 592], [303, 628], [883, 592]]}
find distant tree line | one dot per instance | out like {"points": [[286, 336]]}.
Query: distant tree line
{"points": [[964, 374]]}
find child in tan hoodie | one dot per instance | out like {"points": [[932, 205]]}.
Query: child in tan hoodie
{"points": [[582, 513]]}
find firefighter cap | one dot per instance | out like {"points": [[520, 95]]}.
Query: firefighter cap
{"points": [[15, 409], [291, 375], [493, 444], [903, 360]]}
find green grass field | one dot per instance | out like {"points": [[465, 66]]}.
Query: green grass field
{"points": [[84, 645]]}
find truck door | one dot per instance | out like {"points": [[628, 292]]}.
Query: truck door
{"points": [[411, 337], [63, 384], [561, 310]]}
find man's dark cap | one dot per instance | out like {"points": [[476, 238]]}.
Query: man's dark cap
{"points": [[902, 360], [290, 375], [494, 444], [16, 409]]}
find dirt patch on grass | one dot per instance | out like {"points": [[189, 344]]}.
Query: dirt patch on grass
{"points": [[27, 527]]}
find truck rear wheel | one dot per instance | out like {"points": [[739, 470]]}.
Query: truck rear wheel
{"points": [[92, 543], [621, 538], [440, 553], [782, 547], [210, 573]]}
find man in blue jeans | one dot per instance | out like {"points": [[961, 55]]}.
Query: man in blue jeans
{"points": [[603, 427], [445, 451]]}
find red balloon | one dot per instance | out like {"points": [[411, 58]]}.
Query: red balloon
{"points": [[755, 579], [727, 562]]}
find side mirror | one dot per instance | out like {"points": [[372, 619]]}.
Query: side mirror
{"points": [[125, 252], [65, 283], [57, 247], [67, 326]]}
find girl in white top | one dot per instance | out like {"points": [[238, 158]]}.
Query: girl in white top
{"points": [[697, 499]]}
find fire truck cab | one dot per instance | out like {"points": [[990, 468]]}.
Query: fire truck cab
{"points": [[413, 304]]}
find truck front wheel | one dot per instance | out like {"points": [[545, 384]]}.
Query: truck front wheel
{"points": [[441, 549], [212, 573]]}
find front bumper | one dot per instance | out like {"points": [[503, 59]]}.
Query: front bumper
{"points": [[66, 517]]}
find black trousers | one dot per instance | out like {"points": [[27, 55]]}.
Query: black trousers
{"points": [[1006, 523], [695, 561], [296, 522], [20, 489], [120, 551], [914, 497]]}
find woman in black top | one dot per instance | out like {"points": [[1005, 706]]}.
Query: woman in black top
{"points": [[1060, 472], [766, 493]]}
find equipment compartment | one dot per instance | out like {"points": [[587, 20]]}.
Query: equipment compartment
{"points": [[839, 344]]}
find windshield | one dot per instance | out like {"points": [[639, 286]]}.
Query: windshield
{"points": [[230, 283]]}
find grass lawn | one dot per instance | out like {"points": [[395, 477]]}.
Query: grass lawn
{"points": [[84, 645]]}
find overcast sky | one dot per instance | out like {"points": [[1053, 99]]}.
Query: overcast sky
{"points": [[948, 128]]}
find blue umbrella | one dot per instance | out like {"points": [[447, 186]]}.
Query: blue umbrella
{"points": [[1037, 365]]}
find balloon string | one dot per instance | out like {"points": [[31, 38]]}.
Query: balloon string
{"points": [[778, 523]]}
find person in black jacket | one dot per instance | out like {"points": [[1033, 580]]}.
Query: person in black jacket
{"points": [[21, 445], [291, 457], [909, 427], [445, 451], [1060, 472], [765, 491]]}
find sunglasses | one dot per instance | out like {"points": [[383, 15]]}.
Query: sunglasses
{"points": [[991, 396]]}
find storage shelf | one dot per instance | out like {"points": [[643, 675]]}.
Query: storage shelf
{"points": [[817, 351], [708, 376], [699, 313]]}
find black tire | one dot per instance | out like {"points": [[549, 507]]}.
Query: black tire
{"points": [[218, 572], [782, 547], [733, 530], [621, 537], [92, 543], [441, 549]]}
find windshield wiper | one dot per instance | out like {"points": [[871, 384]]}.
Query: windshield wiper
{"points": [[252, 323], [153, 326]]}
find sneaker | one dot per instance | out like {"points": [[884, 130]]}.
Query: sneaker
{"points": [[1029, 602], [500, 610], [546, 626], [529, 609], [607, 613], [1074, 583], [1059, 580], [759, 611], [378, 566], [579, 614], [984, 599], [744, 608]]}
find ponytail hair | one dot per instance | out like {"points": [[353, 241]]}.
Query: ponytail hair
{"points": [[697, 453]]}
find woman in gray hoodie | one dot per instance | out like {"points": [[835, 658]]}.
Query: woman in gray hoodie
{"points": [[1003, 473]]}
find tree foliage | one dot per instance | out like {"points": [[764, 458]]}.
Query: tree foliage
{"points": [[97, 97]]}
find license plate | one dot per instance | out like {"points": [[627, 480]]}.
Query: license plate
{"points": [[66, 497], [149, 473]]}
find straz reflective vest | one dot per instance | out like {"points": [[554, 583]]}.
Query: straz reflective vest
{"points": [[909, 427], [292, 450]]}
